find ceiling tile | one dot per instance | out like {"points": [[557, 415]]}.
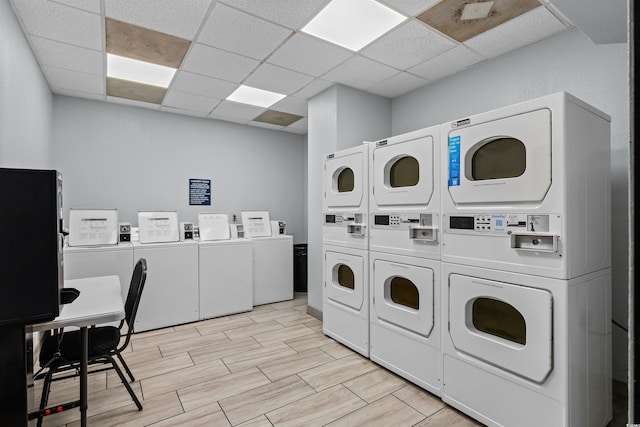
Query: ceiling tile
{"points": [[236, 111], [295, 130], [407, 45], [131, 102], [219, 64], [62, 23], [79, 94], [360, 73], [66, 79], [309, 55], [189, 101], [410, 7], [266, 125], [182, 112], [136, 91], [313, 88], [292, 105], [446, 16], [446, 64], [69, 57], [202, 85], [279, 118], [92, 6], [398, 85], [178, 18], [132, 41], [277, 79], [301, 124], [293, 14], [241, 33], [521, 31]]}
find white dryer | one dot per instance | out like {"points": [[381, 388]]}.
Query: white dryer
{"points": [[345, 198], [404, 195], [526, 188], [522, 350], [405, 318], [345, 305]]}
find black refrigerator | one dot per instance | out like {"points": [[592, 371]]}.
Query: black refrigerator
{"points": [[31, 276]]}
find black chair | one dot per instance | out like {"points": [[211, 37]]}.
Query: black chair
{"points": [[61, 351]]}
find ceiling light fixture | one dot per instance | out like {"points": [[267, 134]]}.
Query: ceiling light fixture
{"points": [[139, 71], [353, 23], [253, 96]]}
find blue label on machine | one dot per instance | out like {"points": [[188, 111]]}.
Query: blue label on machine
{"points": [[454, 161]]}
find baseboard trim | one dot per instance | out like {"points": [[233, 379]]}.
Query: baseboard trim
{"points": [[314, 312]]}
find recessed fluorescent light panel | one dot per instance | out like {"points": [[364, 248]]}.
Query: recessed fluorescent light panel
{"points": [[353, 23], [253, 96], [139, 71]]}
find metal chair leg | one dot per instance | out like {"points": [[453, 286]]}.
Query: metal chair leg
{"points": [[46, 388], [125, 382], [125, 366]]}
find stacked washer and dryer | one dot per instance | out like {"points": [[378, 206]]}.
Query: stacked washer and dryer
{"points": [[526, 257], [487, 279], [345, 248], [404, 257]]}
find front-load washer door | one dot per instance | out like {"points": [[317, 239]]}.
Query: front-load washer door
{"points": [[402, 173], [403, 295], [505, 325], [501, 161], [343, 180], [344, 279]]}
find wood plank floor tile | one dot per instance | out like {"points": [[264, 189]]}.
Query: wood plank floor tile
{"points": [[295, 363], [144, 355], [208, 353], [448, 417], [210, 415], [194, 343], [260, 421], [297, 318], [419, 399], [388, 411], [152, 333], [153, 368], [336, 372], [179, 379], [223, 324], [283, 334], [156, 409], [249, 331], [260, 400], [306, 342], [272, 315], [299, 301], [375, 384], [317, 409], [336, 350], [253, 358], [211, 391], [159, 339]]}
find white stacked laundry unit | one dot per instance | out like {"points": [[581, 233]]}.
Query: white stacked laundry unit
{"points": [[526, 258], [404, 257], [345, 248]]}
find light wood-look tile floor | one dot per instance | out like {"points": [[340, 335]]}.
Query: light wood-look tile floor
{"points": [[272, 366]]}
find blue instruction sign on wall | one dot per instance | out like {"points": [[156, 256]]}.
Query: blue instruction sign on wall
{"points": [[454, 161], [199, 192]]}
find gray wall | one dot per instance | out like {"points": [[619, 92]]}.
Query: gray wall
{"points": [[339, 118], [569, 62], [25, 100], [129, 158]]}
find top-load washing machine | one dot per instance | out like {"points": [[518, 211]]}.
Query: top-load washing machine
{"points": [[526, 188], [345, 242], [225, 268], [404, 195], [345, 198]]}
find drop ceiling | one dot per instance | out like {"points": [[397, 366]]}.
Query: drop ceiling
{"points": [[260, 44]]}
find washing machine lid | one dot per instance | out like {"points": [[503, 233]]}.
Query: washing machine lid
{"points": [[501, 161], [505, 325], [403, 172], [344, 183], [213, 226], [345, 277], [404, 295]]}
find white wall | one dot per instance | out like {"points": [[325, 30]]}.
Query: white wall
{"points": [[569, 62], [339, 118], [136, 159], [25, 100]]}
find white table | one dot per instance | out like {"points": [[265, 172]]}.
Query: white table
{"points": [[100, 301]]}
